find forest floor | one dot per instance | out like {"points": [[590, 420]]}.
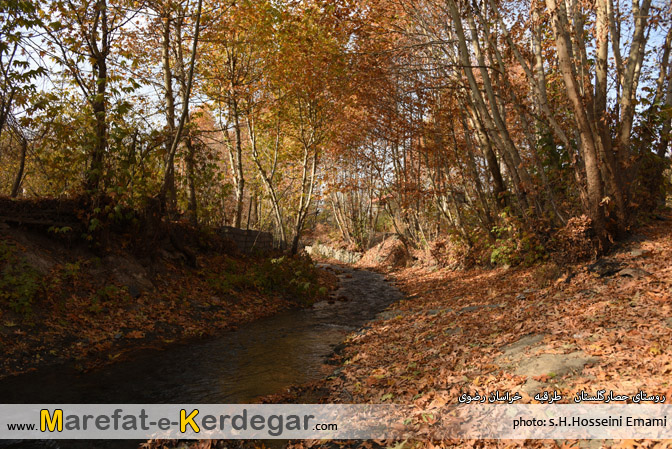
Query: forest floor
{"points": [[63, 303], [604, 325]]}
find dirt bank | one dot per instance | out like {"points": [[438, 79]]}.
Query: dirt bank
{"points": [[62, 299]]}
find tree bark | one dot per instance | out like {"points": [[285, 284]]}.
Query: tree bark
{"points": [[238, 165], [267, 178], [169, 98], [307, 186], [192, 205], [185, 106], [99, 102], [22, 164], [595, 188]]}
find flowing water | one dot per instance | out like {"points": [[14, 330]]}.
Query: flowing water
{"points": [[260, 358]]}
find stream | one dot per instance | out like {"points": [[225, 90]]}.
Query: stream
{"points": [[260, 358]]}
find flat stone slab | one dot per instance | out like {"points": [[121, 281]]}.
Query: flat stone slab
{"points": [[389, 314], [526, 357], [638, 252], [554, 364], [636, 273], [532, 387], [479, 307], [519, 347]]}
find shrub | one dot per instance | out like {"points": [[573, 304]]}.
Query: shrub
{"points": [[517, 243], [295, 278], [503, 250], [20, 284], [227, 282]]}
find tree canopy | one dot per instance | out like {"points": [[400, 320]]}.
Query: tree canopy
{"points": [[505, 128]]}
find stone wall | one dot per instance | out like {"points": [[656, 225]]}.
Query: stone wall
{"points": [[328, 252], [248, 240]]}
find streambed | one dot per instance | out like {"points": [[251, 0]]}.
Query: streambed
{"points": [[260, 358]]}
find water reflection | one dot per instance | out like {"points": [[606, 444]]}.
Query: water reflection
{"points": [[260, 358]]}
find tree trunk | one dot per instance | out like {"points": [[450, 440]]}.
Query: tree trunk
{"points": [[499, 189], [307, 186], [663, 145], [22, 164], [192, 206], [491, 116], [186, 94], [99, 102], [238, 166], [168, 199], [267, 178], [588, 146]]}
